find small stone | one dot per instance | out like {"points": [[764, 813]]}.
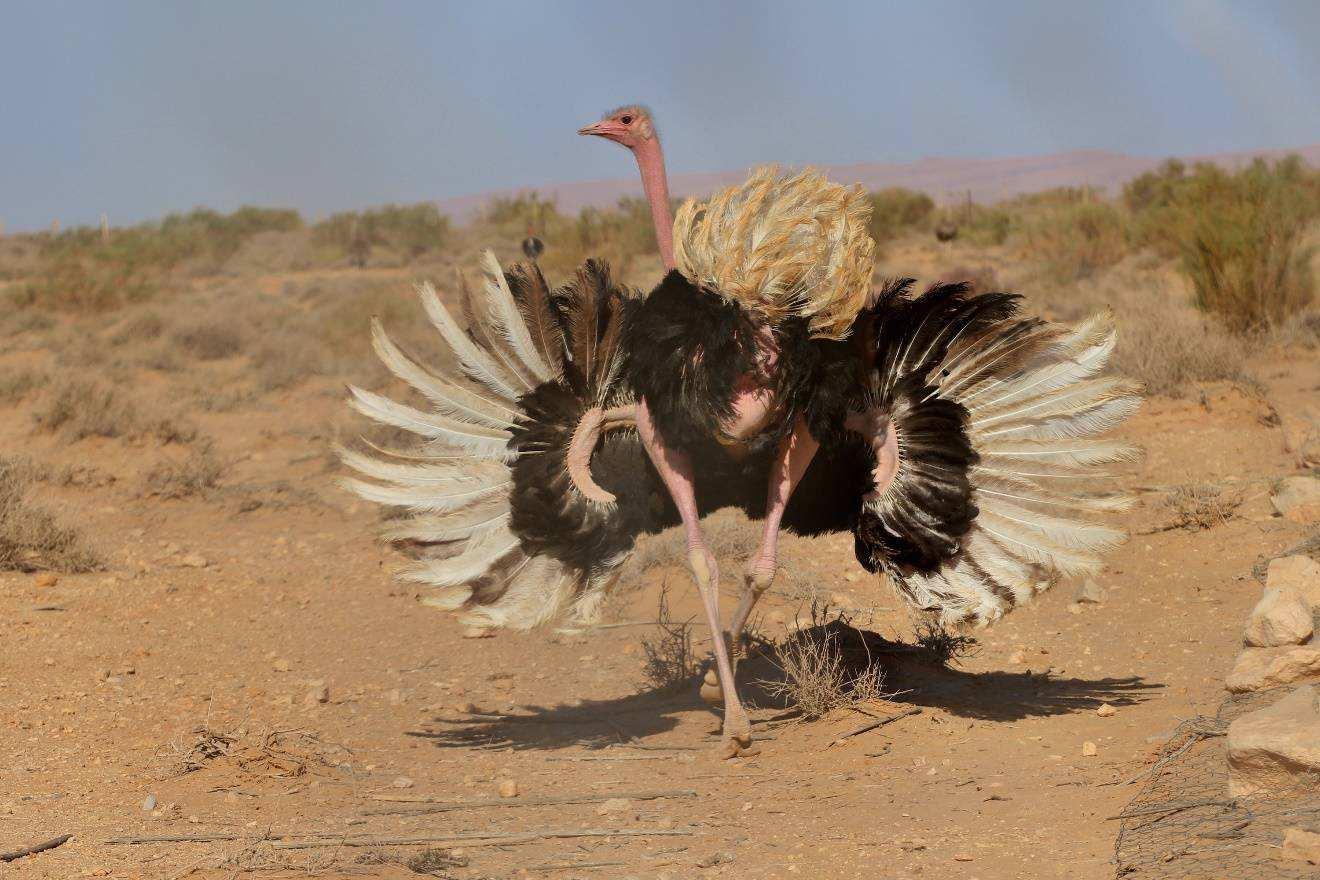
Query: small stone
{"points": [[723, 857], [613, 805], [319, 693], [464, 708], [508, 788], [1301, 574], [47, 579], [1302, 846], [1106, 711], [1298, 499], [962, 857], [149, 803], [1089, 749], [1278, 747], [193, 560], [1279, 618], [1090, 593], [402, 782], [1258, 669], [282, 665], [1019, 657], [478, 632]]}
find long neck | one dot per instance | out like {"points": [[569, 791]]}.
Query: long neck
{"points": [[651, 162]]}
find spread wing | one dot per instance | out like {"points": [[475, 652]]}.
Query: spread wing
{"points": [[503, 529], [1001, 484]]}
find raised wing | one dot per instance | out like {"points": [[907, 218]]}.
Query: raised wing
{"points": [[1000, 484], [508, 528]]}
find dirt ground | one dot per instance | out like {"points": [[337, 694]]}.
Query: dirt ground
{"points": [[178, 693]]}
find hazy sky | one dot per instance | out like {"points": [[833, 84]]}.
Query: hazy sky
{"points": [[141, 108]]}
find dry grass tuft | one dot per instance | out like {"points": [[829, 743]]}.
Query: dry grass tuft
{"points": [[1170, 349], [820, 673], [198, 472], [670, 661], [17, 384], [210, 340], [31, 538], [80, 409], [1200, 506], [271, 752]]}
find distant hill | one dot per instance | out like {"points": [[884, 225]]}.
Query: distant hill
{"points": [[945, 180]]}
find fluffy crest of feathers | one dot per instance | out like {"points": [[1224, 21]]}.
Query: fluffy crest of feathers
{"points": [[782, 246]]}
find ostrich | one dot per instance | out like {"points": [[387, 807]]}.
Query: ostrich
{"points": [[945, 431], [532, 247], [946, 231]]}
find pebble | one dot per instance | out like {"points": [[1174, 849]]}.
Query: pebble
{"points": [[478, 632], [508, 788], [1106, 711], [1089, 749], [319, 693], [402, 782], [1018, 657], [47, 579], [192, 560], [962, 857], [149, 804], [722, 857], [282, 665]]}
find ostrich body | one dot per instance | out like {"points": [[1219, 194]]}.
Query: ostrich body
{"points": [[944, 431]]}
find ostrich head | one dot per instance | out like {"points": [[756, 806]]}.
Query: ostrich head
{"points": [[630, 126], [633, 127]]}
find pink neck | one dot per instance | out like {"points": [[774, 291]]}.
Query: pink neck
{"points": [[651, 162]]}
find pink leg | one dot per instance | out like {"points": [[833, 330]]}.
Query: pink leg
{"points": [[675, 469]]}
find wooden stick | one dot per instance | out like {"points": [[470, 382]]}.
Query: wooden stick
{"points": [[434, 805], [610, 758], [874, 724], [35, 848], [485, 838], [174, 838]]}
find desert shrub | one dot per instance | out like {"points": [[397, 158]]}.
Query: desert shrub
{"points": [[86, 409], [282, 365], [31, 538], [18, 383], [897, 210], [199, 471], [1198, 506], [523, 210], [670, 660], [985, 225], [409, 230], [1170, 348], [74, 282], [210, 340], [1238, 235], [140, 328], [1074, 239], [826, 666]]}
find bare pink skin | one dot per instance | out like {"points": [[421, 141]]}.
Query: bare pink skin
{"points": [[632, 127]]}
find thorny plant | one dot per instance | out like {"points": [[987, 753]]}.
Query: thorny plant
{"points": [[669, 657], [273, 752], [819, 674], [1199, 506]]}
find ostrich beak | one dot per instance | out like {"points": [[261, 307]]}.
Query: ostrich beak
{"points": [[596, 128]]}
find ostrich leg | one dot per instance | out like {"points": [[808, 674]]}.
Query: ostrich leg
{"points": [[675, 469], [791, 461]]}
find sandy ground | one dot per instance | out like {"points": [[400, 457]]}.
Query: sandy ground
{"points": [[186, 676]]}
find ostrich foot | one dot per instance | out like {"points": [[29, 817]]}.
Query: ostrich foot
{"points": [[737, 734]]}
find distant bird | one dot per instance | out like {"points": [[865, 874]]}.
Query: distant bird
{"points": [[532, 247], [946, 231], [952, 437]]}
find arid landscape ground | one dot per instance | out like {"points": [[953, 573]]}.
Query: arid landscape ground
{"points": [[209, 672]]}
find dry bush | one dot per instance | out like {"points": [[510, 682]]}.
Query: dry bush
{"points": [[1200, 506], [198, 472], [270, 752], [1075, 239], [408, 231], [820, 672], [31, 538], [17, 384], [1169, 349], [141, 328], [210, 340], [897, 210], [670, 661], [79, 409]]}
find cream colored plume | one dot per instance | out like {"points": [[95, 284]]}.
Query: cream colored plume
{"points": [[782, 246]]}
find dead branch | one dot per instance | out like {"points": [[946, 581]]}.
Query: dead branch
{"points": [[433, 805], [485, 838], [35, 848], [865, 728]]}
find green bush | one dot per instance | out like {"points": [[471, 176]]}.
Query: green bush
{"points": [[409, 230], [1076, 238], [896, 210], [1238, 235]]}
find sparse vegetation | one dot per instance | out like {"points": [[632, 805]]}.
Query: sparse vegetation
{"points": [[31, 538], [1075, 236], [210, 340], [895, 211], [82, 409], [17, 384], [1169, 349], [197, 472], [670, 661], [409, 231], [819, 673], [1201, 506]]}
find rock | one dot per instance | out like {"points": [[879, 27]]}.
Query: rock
{"points": [[1301, 437], [1089, 749], [319, 693], [1279, 618], [1106, 711], [1018, 657], [1298, 499], [46, 579], [149, 803], [192, 560], [1300, 574], [478, 632], [614, 805], [1257, 669], [962, 857], [1090, 593], [723, 857], [282, 665], [402, 782], [1276, 747], [1302, 846], [508, 788]]}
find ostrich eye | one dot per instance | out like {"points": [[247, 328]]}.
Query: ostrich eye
{"points": [[626, 120]]}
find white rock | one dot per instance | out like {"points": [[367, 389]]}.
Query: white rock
{"points": [[1300, 574], [1090, 592], [1301, 845], [1257, 669], [1276, 747], [1106, 711], [1279, 618], [1298, 499], [149, 803]]}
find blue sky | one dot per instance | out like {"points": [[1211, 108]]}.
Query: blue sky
{"points": [[141, 108]]}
